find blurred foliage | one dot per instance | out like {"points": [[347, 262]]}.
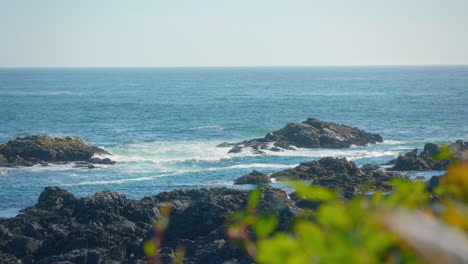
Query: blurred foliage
{"points": [[408, 225], [151, 247]]}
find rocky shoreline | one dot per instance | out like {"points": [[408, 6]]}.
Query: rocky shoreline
{"points": [[110, 228]]}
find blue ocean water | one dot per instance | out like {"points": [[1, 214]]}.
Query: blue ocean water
{"points": [[163, 124]]}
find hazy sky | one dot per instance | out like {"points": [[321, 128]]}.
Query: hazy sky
{"points": [[94, 33]]}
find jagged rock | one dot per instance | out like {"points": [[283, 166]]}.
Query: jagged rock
{"points": [[369, 167], [312, 133], [324, 167], [411, 161], [255, 177], [108, 227], [33, 150], [340, 174]]}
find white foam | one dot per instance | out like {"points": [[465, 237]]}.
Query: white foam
{"points": [[171, 151], [257, 165], [351, 153], [393, 142], [120, 181]]}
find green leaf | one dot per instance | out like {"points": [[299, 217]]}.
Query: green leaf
{"points": [[314, 192], [254, 197], [444, 153], [150, 249], [265, 225]]}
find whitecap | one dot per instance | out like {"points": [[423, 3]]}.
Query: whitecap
{"points": [[393, 142]]}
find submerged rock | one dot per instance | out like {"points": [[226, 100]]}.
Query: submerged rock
{"points": [[33, 150], [109, 228], [411, 161], [342, 175], [312, 133], [255, 177]]}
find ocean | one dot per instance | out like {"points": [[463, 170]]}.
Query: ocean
{"points": [[162, 125]]}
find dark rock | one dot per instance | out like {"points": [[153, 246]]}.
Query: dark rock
{"points": [[311, 133], [430, 150], [109, 228], [255, 177], [33, 150], [342, 175], [324, 167], [105, 161], [411, 161], [432, 183], [22, 247], [369, 167]]}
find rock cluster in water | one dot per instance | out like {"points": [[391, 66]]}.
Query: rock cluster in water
{"points": [[109, 228], [255, 177], [342, 175], [411, 161], [312, 133], [33, 150]]}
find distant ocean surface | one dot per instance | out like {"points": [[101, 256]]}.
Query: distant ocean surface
{"points": [[162, 125]]}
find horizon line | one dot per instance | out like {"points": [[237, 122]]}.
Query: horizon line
{"points": [[229, 66]]}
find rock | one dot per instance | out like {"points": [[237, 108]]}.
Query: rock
{"points": [[342, 175], [105, 161], [255, 177], [33, 150], [411, 161], [432, 183], [22, 247], [311, 133], [109, 228], [369, 167], [324, 167]]}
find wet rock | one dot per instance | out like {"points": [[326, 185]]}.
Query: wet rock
{"points": [[33, 150], [432, 183], [411, 161], [255, 177], [312, 133], [109, 228], [369, 167], [342, 175], [105, 161]]}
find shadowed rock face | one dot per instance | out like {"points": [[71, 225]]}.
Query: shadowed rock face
{"points": [[107, 226], [411, 161], [312, 133], [340, 174], [255, 177], [32, 150]]}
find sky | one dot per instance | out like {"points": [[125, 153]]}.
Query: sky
{"points": [[156, 33]]}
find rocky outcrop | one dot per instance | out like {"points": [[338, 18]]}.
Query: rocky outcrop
{"points": [[110, 228], [312, 133], [255, 177], [33, 150], [411, 161], [342, 175]]}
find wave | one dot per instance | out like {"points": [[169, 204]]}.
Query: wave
{"points": [[16, 93], [393, 142], [207, 127], [258, 165], [170, 151]]}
